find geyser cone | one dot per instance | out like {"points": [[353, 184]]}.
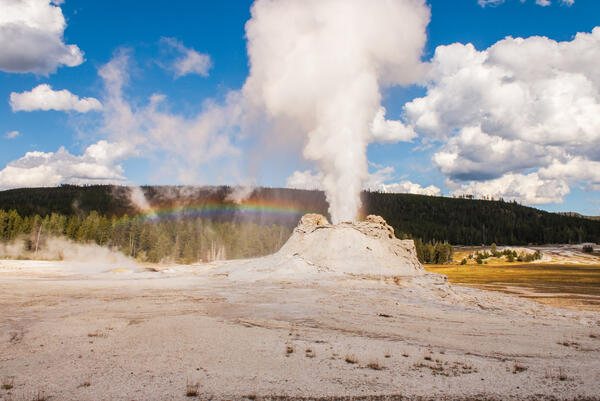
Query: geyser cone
{"points": [[366, 247]]}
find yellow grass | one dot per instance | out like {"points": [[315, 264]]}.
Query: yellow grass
{"points": [[577, 285]]}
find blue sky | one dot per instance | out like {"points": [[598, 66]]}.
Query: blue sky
{"points": [[552, 171]]}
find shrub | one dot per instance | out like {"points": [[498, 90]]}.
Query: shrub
{"points": [[191, 389], [375, 365], [8, 383], [351, 359], [518, 368], [494, 250]]}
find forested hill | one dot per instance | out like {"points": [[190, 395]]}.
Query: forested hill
{"points": [[458, 221], [475, 222]]}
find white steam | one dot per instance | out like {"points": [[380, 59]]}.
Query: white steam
{"points": [[138, 199], [240, 193], [58, 248], [319, 66]]}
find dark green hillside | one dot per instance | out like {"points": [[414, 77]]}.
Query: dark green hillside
{"points": [[67, 200], [434, 219], [473, 222]]}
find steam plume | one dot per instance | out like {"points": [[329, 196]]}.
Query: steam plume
{"points": [[319, 66]]}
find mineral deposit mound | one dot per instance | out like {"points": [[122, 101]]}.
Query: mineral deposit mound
{"points": [[365, 247], [318, 248]]}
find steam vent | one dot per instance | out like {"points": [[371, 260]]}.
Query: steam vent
{"points": [[365, 247]]}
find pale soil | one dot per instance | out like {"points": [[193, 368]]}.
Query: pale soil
{"points": [[142, 335]]}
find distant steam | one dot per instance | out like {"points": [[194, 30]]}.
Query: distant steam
{"points": [[138, 199], [319, 66], [239, 193], [59, 248]]}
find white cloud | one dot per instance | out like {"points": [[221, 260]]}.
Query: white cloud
{"points": [[12, 134], [186, 143], [484, 3], [474, 155], [382, 180], [97, 165], [31, 37], [533, 89], [406, 187], [574, 169], [305, 180], [542, 3], [529, 189], [43, 97], [189, 61], [390, 131], [507, 114]]}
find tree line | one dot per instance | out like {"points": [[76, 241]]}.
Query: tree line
{"points": [[439, 253], [186, 240], [510, 255]]}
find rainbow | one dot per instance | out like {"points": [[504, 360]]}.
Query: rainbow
{"points": [[219, 209]]}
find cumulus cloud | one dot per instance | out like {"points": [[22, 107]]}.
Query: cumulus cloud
{"points": [[474, 155], [43, 97], [530, 188], [306, 179], [186, 142], [390, 131], [12, 134], [31, 37], [381, 180], [189, 60], [407, 187], [507, 114], [576, 169], [315, 71], [97, 165]]}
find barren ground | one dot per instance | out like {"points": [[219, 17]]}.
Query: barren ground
{"points": [[83, 332]]}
